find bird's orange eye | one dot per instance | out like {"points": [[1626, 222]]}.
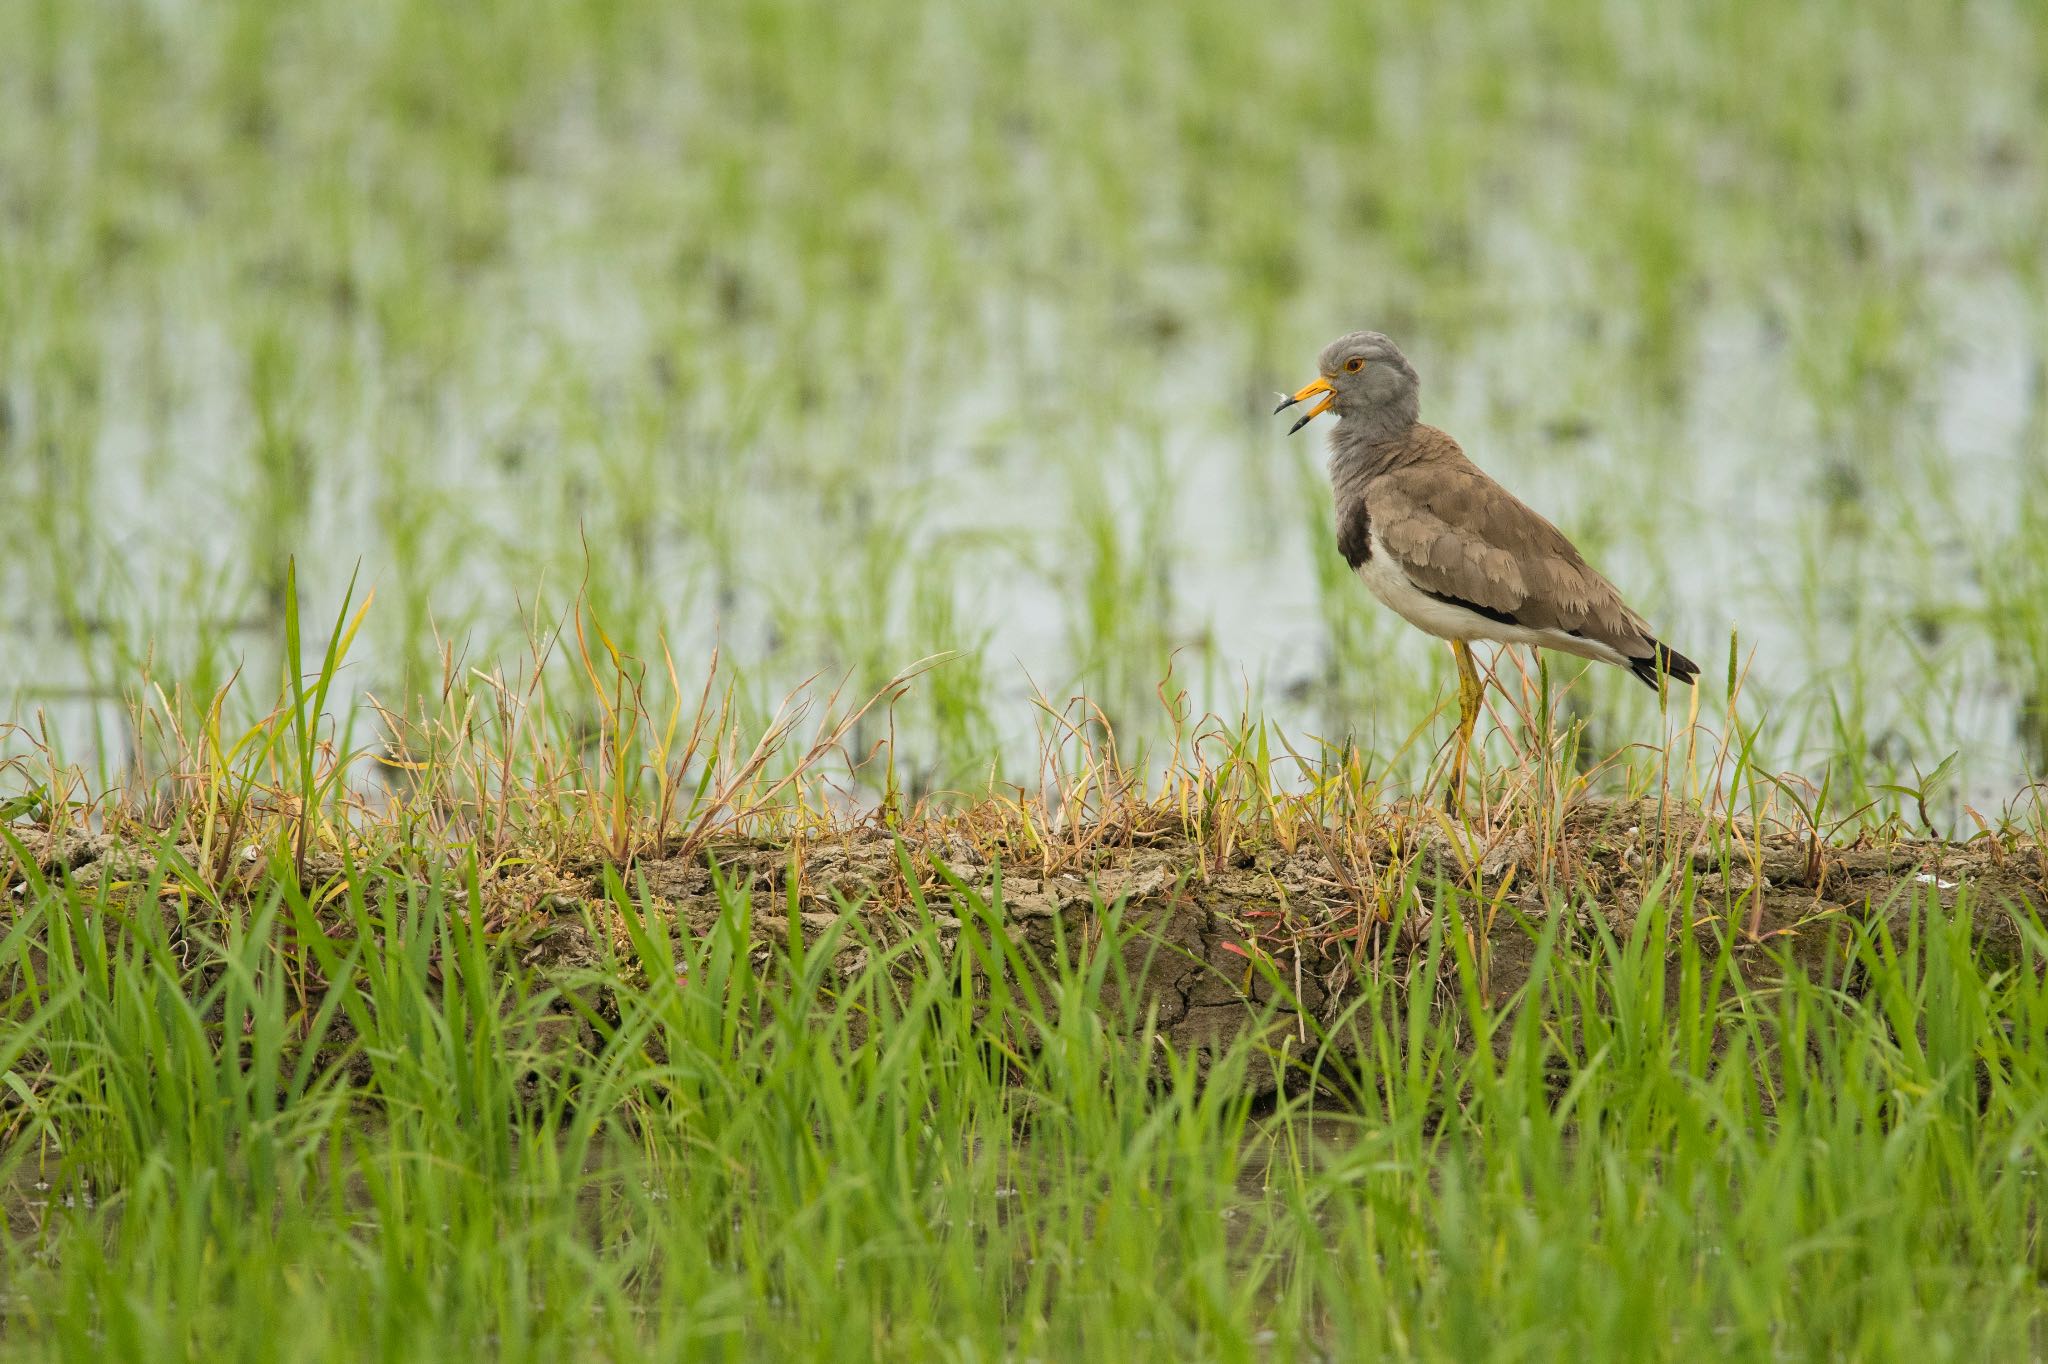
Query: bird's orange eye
{"points": [[1354, 364]]}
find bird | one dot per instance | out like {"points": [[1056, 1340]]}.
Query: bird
{"points": [[1449, 550]]}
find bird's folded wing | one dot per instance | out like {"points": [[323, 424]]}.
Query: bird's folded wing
{"points": [[1462, 537]]}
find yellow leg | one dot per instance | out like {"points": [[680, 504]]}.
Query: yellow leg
{"points": [[1471, 695]]}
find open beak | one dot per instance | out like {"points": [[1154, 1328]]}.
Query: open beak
{"points": [[1321, 386]]}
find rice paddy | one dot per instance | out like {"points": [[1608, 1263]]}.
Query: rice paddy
{"points": [[459, 460]]}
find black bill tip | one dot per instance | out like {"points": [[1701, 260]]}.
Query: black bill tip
{"points": [[1302, 421], [1285, 403]]}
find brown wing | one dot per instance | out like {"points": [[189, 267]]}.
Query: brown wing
{"points": [[1459, 535]]}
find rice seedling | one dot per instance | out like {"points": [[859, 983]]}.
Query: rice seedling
{"points": [[507, 331]]}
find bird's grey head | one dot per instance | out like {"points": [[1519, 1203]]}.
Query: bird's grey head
{"points": [[1363, 377]]}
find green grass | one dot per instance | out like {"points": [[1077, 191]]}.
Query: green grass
{"points": [[947, 1155], [303, 1079]]}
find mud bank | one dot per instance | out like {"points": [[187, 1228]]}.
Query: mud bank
{"points": [[1225, 938]]}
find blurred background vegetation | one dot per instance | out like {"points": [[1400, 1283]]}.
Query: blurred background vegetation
{"points": [[843, 335]]}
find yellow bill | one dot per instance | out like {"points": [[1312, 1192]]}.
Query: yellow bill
{"points": [[1321, 386]]}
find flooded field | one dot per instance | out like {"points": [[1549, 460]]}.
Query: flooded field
{"points": [[842, 340]]}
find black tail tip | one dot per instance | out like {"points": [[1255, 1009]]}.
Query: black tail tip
{"points": [[1663, 659]]}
